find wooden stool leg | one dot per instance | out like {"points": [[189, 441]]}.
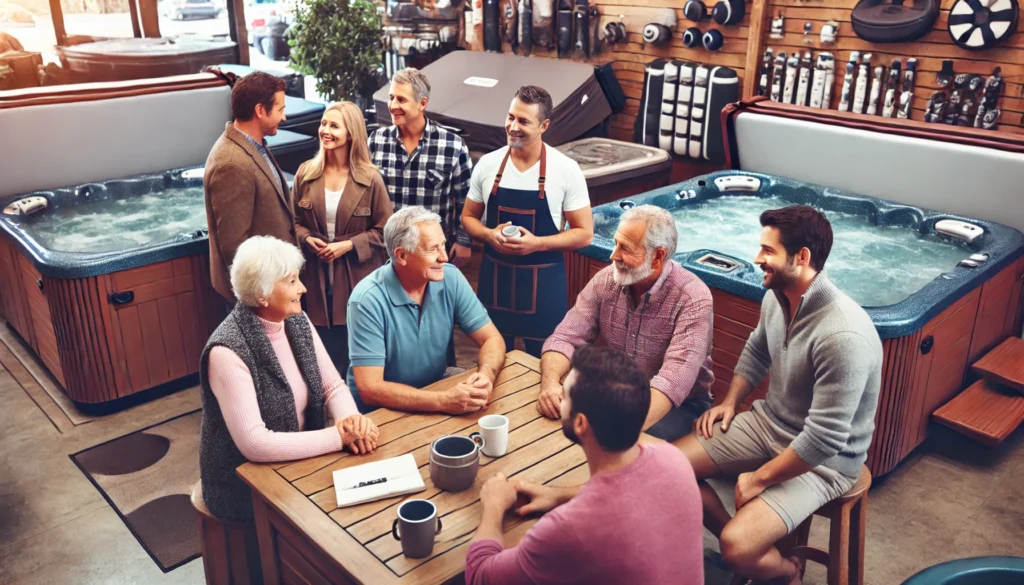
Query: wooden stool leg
{"points": [[858, 527], [839, 547]]}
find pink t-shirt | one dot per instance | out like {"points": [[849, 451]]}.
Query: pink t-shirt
{"points": [[640, 524], [232, 385]]}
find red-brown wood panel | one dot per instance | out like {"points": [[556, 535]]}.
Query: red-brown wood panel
{"points": [[995, 309], [112, 329], [189, 318], [129, 279], [1013, 326], [170, 327], [153, 343], [134, 348]]}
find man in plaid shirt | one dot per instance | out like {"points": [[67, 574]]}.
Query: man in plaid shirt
{"points": [[422, 162], [655, 311]]}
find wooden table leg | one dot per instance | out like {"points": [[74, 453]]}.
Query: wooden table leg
{"points": [[268, 554]]}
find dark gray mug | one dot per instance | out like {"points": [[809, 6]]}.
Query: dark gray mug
{"points": [[419, 524]]}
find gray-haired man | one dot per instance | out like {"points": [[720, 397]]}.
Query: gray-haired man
{"points": [[423, 163], [400, 322]]}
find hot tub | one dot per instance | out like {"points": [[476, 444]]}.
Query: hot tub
{"points": [[110, 283], [935, 314]]}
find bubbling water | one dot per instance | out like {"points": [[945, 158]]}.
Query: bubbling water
{"points": [[116, 225], [875, 265]]}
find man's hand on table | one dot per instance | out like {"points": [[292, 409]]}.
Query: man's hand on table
{"points": [[481, 381], [541, 498], [549, 401], [498, 494], [358, 433], [464, 397]]}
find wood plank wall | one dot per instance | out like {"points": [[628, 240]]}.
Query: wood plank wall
{"points": [[746, 43], [930, 50]]}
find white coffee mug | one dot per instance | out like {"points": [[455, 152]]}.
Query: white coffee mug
{"points": [[511, 231], [494, 432]]}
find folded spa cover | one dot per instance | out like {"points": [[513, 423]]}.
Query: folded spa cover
{"points": [[471, 91]]}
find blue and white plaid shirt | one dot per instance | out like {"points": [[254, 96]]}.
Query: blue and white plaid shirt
{"points": [[436, 175]]}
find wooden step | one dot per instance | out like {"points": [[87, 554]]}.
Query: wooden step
{"points": [[1004, 364], [985, 411]]}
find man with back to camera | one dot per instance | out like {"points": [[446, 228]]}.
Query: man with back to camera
{"points": [[245, 190], [401, 319], [804, 444], [610, 529], [422, 162], [522, 278], [648, 306]]}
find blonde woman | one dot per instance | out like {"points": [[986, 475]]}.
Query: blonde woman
{"points": [[341, 206]]}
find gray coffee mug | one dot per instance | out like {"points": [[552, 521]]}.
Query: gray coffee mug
{"points": [[419, 524]]}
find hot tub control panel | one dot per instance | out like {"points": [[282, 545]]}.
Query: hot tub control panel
{"points": [[738, 183], [959, 229]]}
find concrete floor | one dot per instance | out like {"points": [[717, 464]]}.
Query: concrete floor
{"points": [[950, 499]]}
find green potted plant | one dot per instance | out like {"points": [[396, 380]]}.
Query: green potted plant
{"points": [[339, 43]]}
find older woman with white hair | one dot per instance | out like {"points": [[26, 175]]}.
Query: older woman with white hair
{"points": [[268, 385]]}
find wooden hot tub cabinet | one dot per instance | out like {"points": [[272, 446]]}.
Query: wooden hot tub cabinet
{"points": [[102, 343], [921, 372]]}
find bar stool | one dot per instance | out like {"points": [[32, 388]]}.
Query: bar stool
{"points": [[226, 547], [845, 555]]}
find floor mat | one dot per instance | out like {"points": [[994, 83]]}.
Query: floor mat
{"points": [[147, 476]]}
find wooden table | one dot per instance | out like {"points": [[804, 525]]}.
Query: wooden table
{"points": [[305, 538]]}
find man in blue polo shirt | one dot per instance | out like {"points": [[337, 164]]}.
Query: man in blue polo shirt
{"points": [[401, 319]]}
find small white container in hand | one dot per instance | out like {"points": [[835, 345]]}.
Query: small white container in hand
{"points": [[511, 231], [494, 431]]}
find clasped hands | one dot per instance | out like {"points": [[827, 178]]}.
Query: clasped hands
{"points": [[359, 434], [468, 396], [328, 252]]}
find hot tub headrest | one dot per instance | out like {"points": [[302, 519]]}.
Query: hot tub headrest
{"points": [[966, 171], [90, 132]]}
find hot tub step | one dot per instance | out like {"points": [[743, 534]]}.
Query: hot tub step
{"points": [[986, 412], [1004, 364]]}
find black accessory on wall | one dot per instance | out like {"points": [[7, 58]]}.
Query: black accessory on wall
{"points": [[695, 10], [668, 105], [909, 74], [889, 106], [581, 22], [563, 25], [692, 37], [936, 107], [988, 114], [944, 77], [492, 26], [645, 129], [778, 29], [526, 26], [614, 32], [778, 71], [713, 39], [803, 79], [728, 12], [656, 34], [766, 71], [828, 32], [891, 21], [982, 24]]}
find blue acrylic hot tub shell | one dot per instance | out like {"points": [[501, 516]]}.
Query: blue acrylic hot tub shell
{"points": [[1003, 244], [55, 264]]}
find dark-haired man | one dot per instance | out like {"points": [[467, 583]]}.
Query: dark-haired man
{"points": [[804, 444], [611, 529], [246, 191], [522, 277]]}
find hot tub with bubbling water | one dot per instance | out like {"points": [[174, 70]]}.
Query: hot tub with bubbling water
{"points": [[938, 300], [109, 281]]}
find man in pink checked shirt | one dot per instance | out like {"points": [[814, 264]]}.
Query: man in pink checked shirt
{"points": [[648, 306]]}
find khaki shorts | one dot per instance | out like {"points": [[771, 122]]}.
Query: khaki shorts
{"points": [[751, 441]]}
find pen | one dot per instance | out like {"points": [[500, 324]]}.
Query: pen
{"points": [[370, 482]]}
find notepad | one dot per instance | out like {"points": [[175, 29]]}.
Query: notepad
{"points": [[401, 473]]}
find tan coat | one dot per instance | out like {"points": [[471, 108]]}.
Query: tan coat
{"points": [[362, 212], [242, 200]]}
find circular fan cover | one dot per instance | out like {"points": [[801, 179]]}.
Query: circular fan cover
{"points": [[982, 24]]}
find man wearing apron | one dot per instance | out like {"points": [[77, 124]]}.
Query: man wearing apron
{"points": [[537, 190]]}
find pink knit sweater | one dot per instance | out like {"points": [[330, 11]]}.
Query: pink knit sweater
{"points": [[232, 384]]}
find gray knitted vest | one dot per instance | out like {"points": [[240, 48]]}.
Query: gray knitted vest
{"points": [[225, 494]]}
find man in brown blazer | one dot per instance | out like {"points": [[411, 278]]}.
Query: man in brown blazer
{"points": [[246, 191]]}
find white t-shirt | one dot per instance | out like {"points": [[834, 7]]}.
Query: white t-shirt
{"points": [[331, 200], [565, 188]]}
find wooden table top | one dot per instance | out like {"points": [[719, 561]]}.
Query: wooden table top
{"points": [[358, 538]]}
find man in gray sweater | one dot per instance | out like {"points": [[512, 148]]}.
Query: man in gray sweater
{"points": [[804, 444]]}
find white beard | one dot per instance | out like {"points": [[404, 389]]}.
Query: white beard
{"points": [[631, 276]]}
